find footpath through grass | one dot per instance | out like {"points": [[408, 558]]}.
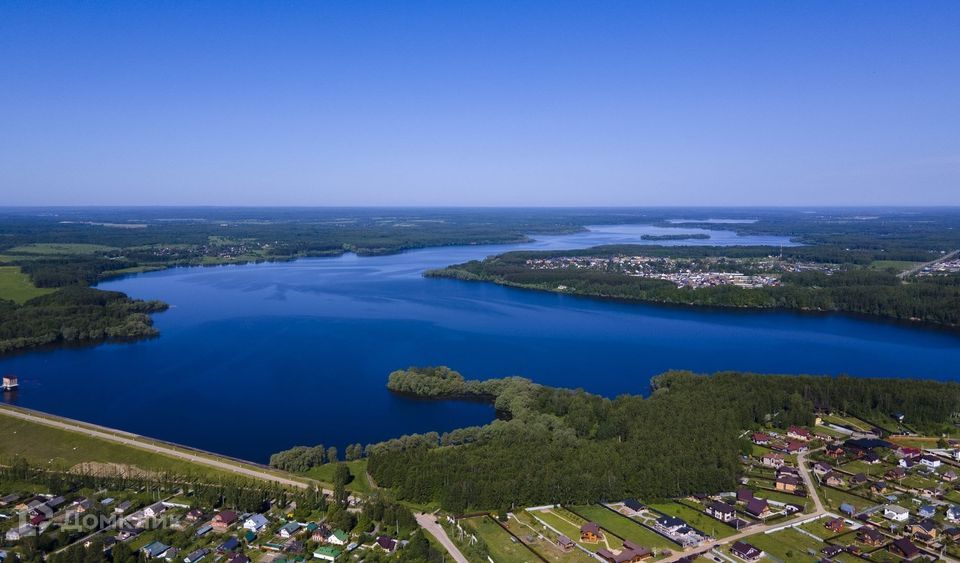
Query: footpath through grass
{"points": [[17, 287]]}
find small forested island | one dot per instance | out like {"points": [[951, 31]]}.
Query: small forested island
{"points": [[799, 278], [691, 236]]}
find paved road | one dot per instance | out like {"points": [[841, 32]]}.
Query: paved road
{"points": [[429, 523], [128, 439], [819, 511], [916, 269]]}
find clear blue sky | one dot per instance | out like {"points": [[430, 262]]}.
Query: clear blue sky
{"points": [[480, 103]]}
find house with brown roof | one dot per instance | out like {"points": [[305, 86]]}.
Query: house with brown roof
{"points": [[904, 548], [835, 525], [833, 479], [772, 459], [565, 543], [871, 536], [591, 533], [223, 520], [744, 494], [745, 551], [758, 508], [799, 433]]}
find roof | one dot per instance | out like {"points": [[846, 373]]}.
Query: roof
{"points": [[721, 507], [258, 520], [564, 540], [339, 534], [670, 522], [590, 528], [291, 527], [328, 550], [896, 509], [745, 550], [905, 546], [386, 542], [632, 504], [226, 517], [757, 506]]}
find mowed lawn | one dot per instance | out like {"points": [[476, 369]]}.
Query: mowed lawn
{"points": [[503, 547], [17, 287], [699, 520], [62, 449], [787, 545], [622, 526], [568, 524]]}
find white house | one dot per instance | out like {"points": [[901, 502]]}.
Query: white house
{"points": [[953, 514], [290, 530], [896, 513], [16, 534], [931, 461], [255, 523], [154, 510]]}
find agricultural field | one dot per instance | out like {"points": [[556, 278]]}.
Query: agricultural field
{"points": [[503, 547], [16, 286], [61, 249], [622, 526]]}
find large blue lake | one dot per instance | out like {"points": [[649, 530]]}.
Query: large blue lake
{"points": [[257, 358]]}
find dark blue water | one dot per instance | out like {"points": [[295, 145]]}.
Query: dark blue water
{"points": [[257, 358]]}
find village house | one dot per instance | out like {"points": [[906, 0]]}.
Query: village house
{"points": [[833, 479], [879, 487], [949, 476], [904, 548], [154, 549], [196, 555], [834, 451], [848, 509], [905, 451], [895, 474], [858, 479], [722, 511], [758, 508], [744, 494], [931, 461], [223, 520], [590, 532], [907, 462], [154, 510], [925, 530], [387, 543], [772, 459], [566, 544], [835, 525], [760, 438], [795, 447], [194, 515], [632, 506], [338, 537], [871, 536], [926, 511], [746, 551], [230, 545], [896, 513], [799, 433], [821, 468], [787, 483], [255, 522], [631, 553], [953, 513], [289, 530], [327, 553]]}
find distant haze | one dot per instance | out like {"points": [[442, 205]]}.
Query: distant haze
{"points": [[480, 103]]}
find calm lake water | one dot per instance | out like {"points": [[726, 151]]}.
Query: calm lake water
{"points": [[257, 358]]}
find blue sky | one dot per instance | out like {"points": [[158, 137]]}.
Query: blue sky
{"points": [[480, 103]]}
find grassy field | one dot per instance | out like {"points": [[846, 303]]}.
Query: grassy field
{"points": [[358, 469], [60, 249], [62, 449], [527, 529], [787, 545], [898, 265], [503, 547], [622, 526], [695, 518], [833, 498], [569, 525], [16, 286]]}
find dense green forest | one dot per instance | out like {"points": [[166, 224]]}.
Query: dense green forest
{"points": [[75, 314], [933, 299], [569, 446]]}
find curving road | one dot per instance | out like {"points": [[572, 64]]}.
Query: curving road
{"points": [[429, 523]]}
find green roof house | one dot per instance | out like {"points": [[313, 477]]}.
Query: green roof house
{"points": [[327, 553]]}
